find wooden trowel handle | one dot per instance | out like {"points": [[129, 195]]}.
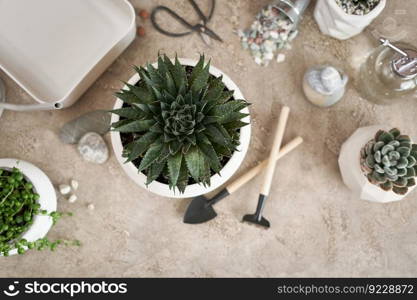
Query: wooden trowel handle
{"points": [[270, 167], [245, 178]]}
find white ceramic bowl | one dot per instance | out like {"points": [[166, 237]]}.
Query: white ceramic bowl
{"points": [[45, 189], [192, 190]]}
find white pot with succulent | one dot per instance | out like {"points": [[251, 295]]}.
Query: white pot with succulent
{"points": [[180, 128], [343, 19], [24, 189], [379, 164]]}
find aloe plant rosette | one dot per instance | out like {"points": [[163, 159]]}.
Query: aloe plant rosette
{"points": [[188, 132]]}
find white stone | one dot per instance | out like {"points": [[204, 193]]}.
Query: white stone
{"points": [[91, 206], [64, 189], [353, 177], [93, 148], [72, 198], [280, 57], [74, 184]]}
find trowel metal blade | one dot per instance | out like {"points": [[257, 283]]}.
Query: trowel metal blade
{"points": [[198, 212]]}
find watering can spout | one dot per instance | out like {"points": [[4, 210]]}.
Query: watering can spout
{"points": [[30, 107]]}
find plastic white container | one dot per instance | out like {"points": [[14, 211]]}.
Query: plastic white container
{"points": [[43, 186], [352, 174], [56, 49], [192, 190], [333, 20]]}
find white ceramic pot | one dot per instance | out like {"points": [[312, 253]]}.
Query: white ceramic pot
{"points": [[192, 190], [333, 20], [47, 200], [352, 174]]}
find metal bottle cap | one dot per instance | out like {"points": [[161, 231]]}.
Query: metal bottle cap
{"points": [[404, 63], [293, 9], [405, 66]]}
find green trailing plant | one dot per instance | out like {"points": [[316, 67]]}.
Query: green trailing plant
{"points": [[18, 207], [183, 120], [389, 161]]}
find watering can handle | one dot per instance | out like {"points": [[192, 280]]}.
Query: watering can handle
{"points": [[30, 107]]}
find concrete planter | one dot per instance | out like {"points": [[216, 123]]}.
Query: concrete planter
{"points": [[333, 20], [352, 174], [192, 190], [43, 186]]}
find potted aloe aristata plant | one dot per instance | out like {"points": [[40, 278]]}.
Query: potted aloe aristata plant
{"points": [[384, 169], [180, 127], [343, 19]]}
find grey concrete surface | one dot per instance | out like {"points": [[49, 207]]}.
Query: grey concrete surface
{"points": [[318, 227]]}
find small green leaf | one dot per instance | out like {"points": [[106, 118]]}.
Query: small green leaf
{"points": [[150, 156], [183, 177], [401, 181], [200, 80], [210, 154], [140, 145], [395, 132], [410, 173], [141, 92], [400, 190], [195, 162], [129, 113], [387, 186], [174, 165], [154, 171], [127, 97], [136, 126], [404, 151], [385, 137], [411, 182]]}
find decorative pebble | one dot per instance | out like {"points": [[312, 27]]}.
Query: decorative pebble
{"points": [[74, 184], [144, 14], [91, 206], [93, 148], [95, 121], [141, 31], [355, 7], [280, 57], [72, 198], [270, 32], [64, 189]]}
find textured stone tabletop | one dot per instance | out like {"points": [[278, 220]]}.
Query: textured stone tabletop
{"points": [[318, 227]]}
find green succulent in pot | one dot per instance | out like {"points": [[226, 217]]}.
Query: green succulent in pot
{"points": [[390, 161], [181, 123]]}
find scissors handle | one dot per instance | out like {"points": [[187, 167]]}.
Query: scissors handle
{"points": [[205, 19], [175, 16]]}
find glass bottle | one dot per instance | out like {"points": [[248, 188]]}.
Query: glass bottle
{"points": [[389, 74]]}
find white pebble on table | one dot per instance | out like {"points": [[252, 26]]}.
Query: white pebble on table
{"points": [[64, 189]]}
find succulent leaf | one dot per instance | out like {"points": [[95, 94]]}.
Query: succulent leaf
{"points": [[400, 190]]}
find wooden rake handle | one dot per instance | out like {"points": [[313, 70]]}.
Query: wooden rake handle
{"points": [[279, 134], [245, 178]]}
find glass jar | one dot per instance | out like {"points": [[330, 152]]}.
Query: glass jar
{"points": [[388, 77]]}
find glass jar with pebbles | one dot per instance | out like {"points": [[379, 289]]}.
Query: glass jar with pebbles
{"points": [[274, 28]]}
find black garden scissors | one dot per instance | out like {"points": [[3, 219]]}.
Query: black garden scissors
{"points": [[201, 28]]}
